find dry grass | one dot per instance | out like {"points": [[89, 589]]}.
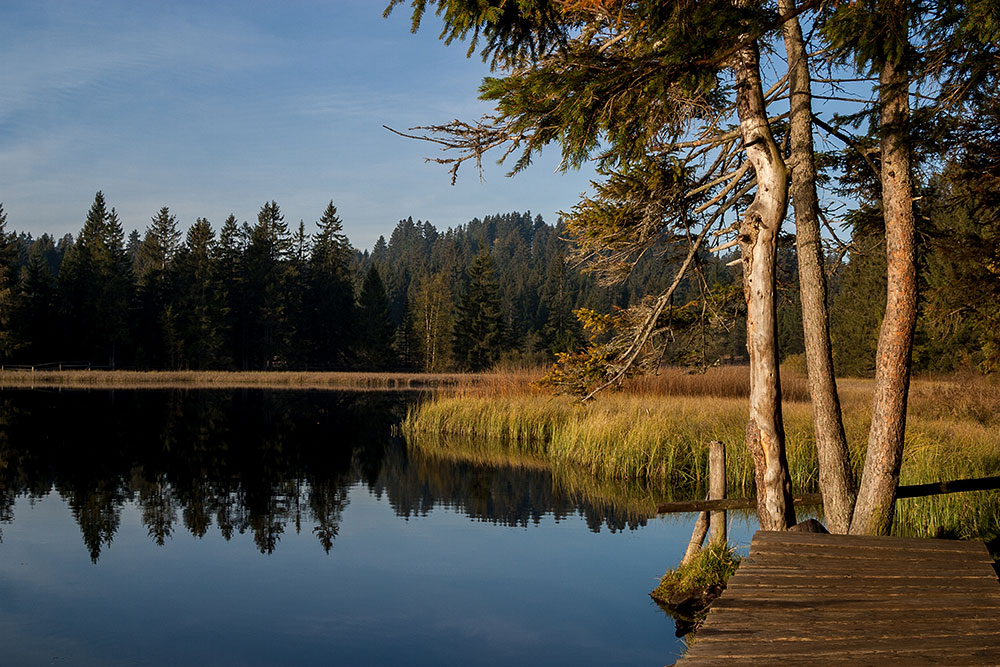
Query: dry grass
{"points": [[231, 380], [719, 382], [657, 429]]}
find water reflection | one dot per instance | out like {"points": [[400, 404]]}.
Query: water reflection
{"points": [[255, 462]]}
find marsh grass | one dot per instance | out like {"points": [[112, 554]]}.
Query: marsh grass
{"points": [[656, 431], [619, 437]]}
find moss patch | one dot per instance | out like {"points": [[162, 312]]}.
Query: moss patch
{"points": [[687, 592]]}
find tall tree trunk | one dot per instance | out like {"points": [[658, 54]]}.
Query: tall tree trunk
{"points": [[836, 481], [758, 236], [877, 492]]}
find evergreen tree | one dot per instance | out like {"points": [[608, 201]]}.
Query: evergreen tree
{"points": [[231, 272], [8, 279], [858, 306], [267, 277], [96, 289], [158, 337], [132, 250], [960, 308], [37, 324], [329, 313], [623, 82], [296, 349], [404, 340], [561, 331], [374, 342], [201, 305], [479, 323]]}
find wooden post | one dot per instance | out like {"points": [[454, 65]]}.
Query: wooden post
{"points": [[714, 521], [697, 537], [717, 490]]}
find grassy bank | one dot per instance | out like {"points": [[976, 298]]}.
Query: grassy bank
{"points": [[657, 430], [230, 380]]}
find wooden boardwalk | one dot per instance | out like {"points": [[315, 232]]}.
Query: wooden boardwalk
{"points": [[811, 599]]}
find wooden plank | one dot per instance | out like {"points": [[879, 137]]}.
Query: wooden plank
{"points": [[884, 659], [784, 622], [848, 541], [848, 630], [807, 586], [764, 552], [956, 656], [784, 646]]}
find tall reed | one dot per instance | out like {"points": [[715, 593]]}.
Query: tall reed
{"points": [[657, 429]]}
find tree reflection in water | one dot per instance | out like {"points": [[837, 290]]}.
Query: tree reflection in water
{"points": [[261, 462]]}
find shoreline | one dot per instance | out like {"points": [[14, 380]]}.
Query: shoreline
{"points": [[287, 380]]}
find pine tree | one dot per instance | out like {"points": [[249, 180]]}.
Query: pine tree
{"points": [[561, 331], [154, 265], [296, 348], [623, 83], [201, 304], [8, 279], [329, 293], [37, 324], [374, 331], [478, 339], [231, 271], [267, 276], [858, 306], [96, 289]]}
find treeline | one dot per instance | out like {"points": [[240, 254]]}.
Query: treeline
{"points": [[256, 296], [497, 289], [265, 296]]}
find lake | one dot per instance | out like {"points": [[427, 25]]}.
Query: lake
{"points": [[292, 527]]}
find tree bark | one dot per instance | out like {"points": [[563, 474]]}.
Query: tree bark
{"points": [[758, 236], [836, 481], [877, 493]]}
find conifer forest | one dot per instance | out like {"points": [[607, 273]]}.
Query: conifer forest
{"points": [[502, 289]]}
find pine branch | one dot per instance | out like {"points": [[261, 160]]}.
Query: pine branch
{"points": [[649, 324]]}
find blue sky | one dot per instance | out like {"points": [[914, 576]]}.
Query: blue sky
{"points": [[213, 108]]}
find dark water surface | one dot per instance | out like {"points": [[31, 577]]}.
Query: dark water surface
{"points": [[288, 528]]}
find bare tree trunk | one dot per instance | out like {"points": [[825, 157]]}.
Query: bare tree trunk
{"points": [[836, 481], [758, 236], [880, 479]]}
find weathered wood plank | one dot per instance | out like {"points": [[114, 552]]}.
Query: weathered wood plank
{"points": [[790, 647], [743, 631], [866, 556], [860, 658], [854, 541], [984, 593], [805, 598]]}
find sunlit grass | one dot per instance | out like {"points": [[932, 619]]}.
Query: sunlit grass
{"points": [[657, 431]]}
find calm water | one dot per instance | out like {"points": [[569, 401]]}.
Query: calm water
{"points": [[252, 527]]}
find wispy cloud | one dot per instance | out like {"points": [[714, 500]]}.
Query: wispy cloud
{"points": [[211, 109]]}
